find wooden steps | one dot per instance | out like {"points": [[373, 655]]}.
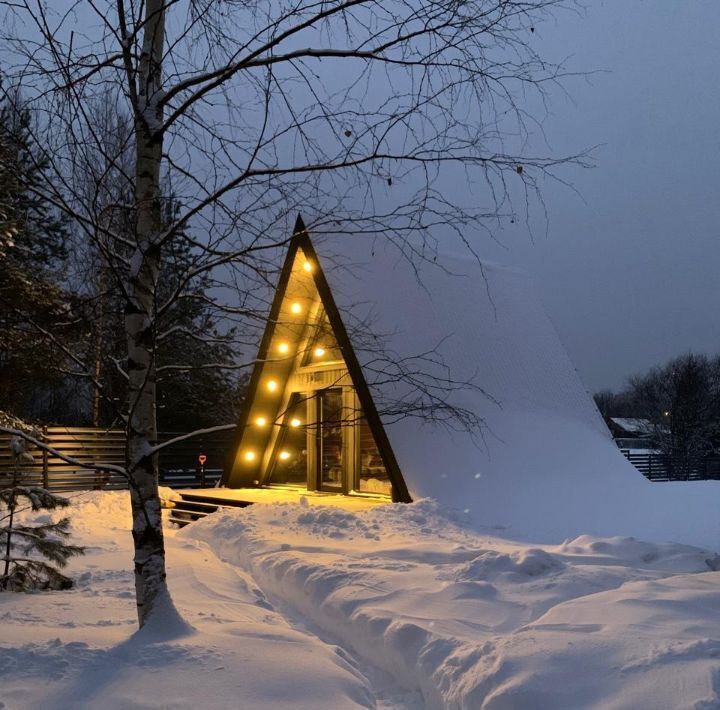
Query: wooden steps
{"points": [[196, 504], [193, 507]]}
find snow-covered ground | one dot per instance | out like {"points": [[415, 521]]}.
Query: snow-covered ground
{"points": [[395, 607]]}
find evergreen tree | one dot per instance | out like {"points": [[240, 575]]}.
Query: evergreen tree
{"points": [[32, 554], [32, 252], [38, 289], [8, 230], [199, 389]]}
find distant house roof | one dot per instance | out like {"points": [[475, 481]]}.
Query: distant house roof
{"points": [[632, 426]]}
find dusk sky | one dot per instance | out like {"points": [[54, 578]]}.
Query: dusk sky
{"points": [[631, 275]]}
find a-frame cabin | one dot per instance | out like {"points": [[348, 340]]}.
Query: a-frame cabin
{"points": [[308, 419], [395, 369], [408, 369]]}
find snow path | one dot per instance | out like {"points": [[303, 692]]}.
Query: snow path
{"points": [[470, 621], [78, 649], [388, 694]]}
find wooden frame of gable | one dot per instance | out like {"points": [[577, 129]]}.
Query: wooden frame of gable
{"points": [[301, 240]]}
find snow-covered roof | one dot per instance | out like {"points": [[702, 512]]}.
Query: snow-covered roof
{"points": [[633, 425], [545, 463], [435, 335], [483, 325]]}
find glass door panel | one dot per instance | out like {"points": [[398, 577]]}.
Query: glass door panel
{"points": [[372, 476], [330, 439]]}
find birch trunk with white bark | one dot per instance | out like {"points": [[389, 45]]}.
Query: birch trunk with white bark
{"points": [[150, 575]]}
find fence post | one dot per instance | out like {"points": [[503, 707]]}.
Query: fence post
{"points": [[200, 474], [45, 476]]}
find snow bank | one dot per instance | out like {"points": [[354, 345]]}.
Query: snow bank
{"points": [[472, 621]]}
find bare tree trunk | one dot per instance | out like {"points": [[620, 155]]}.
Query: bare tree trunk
{"points": [[150, 575], [100, 326]]}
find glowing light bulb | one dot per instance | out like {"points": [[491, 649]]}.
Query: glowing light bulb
{"points": [[319, 352], [272, 385], [283, 348], [307, 266], [261, 421], [296, 308], [284, 455], [249, 455], [295, 422]]}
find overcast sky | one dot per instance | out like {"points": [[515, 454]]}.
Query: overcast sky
{"points": [[631, 277]]}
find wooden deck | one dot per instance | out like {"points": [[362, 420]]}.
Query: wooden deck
{"points": [[287, 494], [199, 502]]}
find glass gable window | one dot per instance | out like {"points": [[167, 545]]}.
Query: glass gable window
{"points": [[323, 347]]}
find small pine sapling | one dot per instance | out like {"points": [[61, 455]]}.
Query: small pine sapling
{"points": [[32, 553]]}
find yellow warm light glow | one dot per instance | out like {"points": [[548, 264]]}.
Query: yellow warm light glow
{"points": [[307, 266], [283, 348], [261, 421], [284, 455], [295, 422], [272, 385], [249, 455], [319, 352], [296, 308]]}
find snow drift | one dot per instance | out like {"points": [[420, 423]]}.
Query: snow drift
{"points": [[471, 621]]}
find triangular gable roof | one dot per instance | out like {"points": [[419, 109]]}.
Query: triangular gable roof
{"points": [[234, 474]]}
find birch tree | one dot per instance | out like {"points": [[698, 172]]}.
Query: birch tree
{"points": [[353, 112]]}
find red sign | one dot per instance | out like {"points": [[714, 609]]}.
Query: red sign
{"points": [[202, 459]]}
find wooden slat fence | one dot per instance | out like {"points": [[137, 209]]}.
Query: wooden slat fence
{"points": [[179, 467], [659, 467]]}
